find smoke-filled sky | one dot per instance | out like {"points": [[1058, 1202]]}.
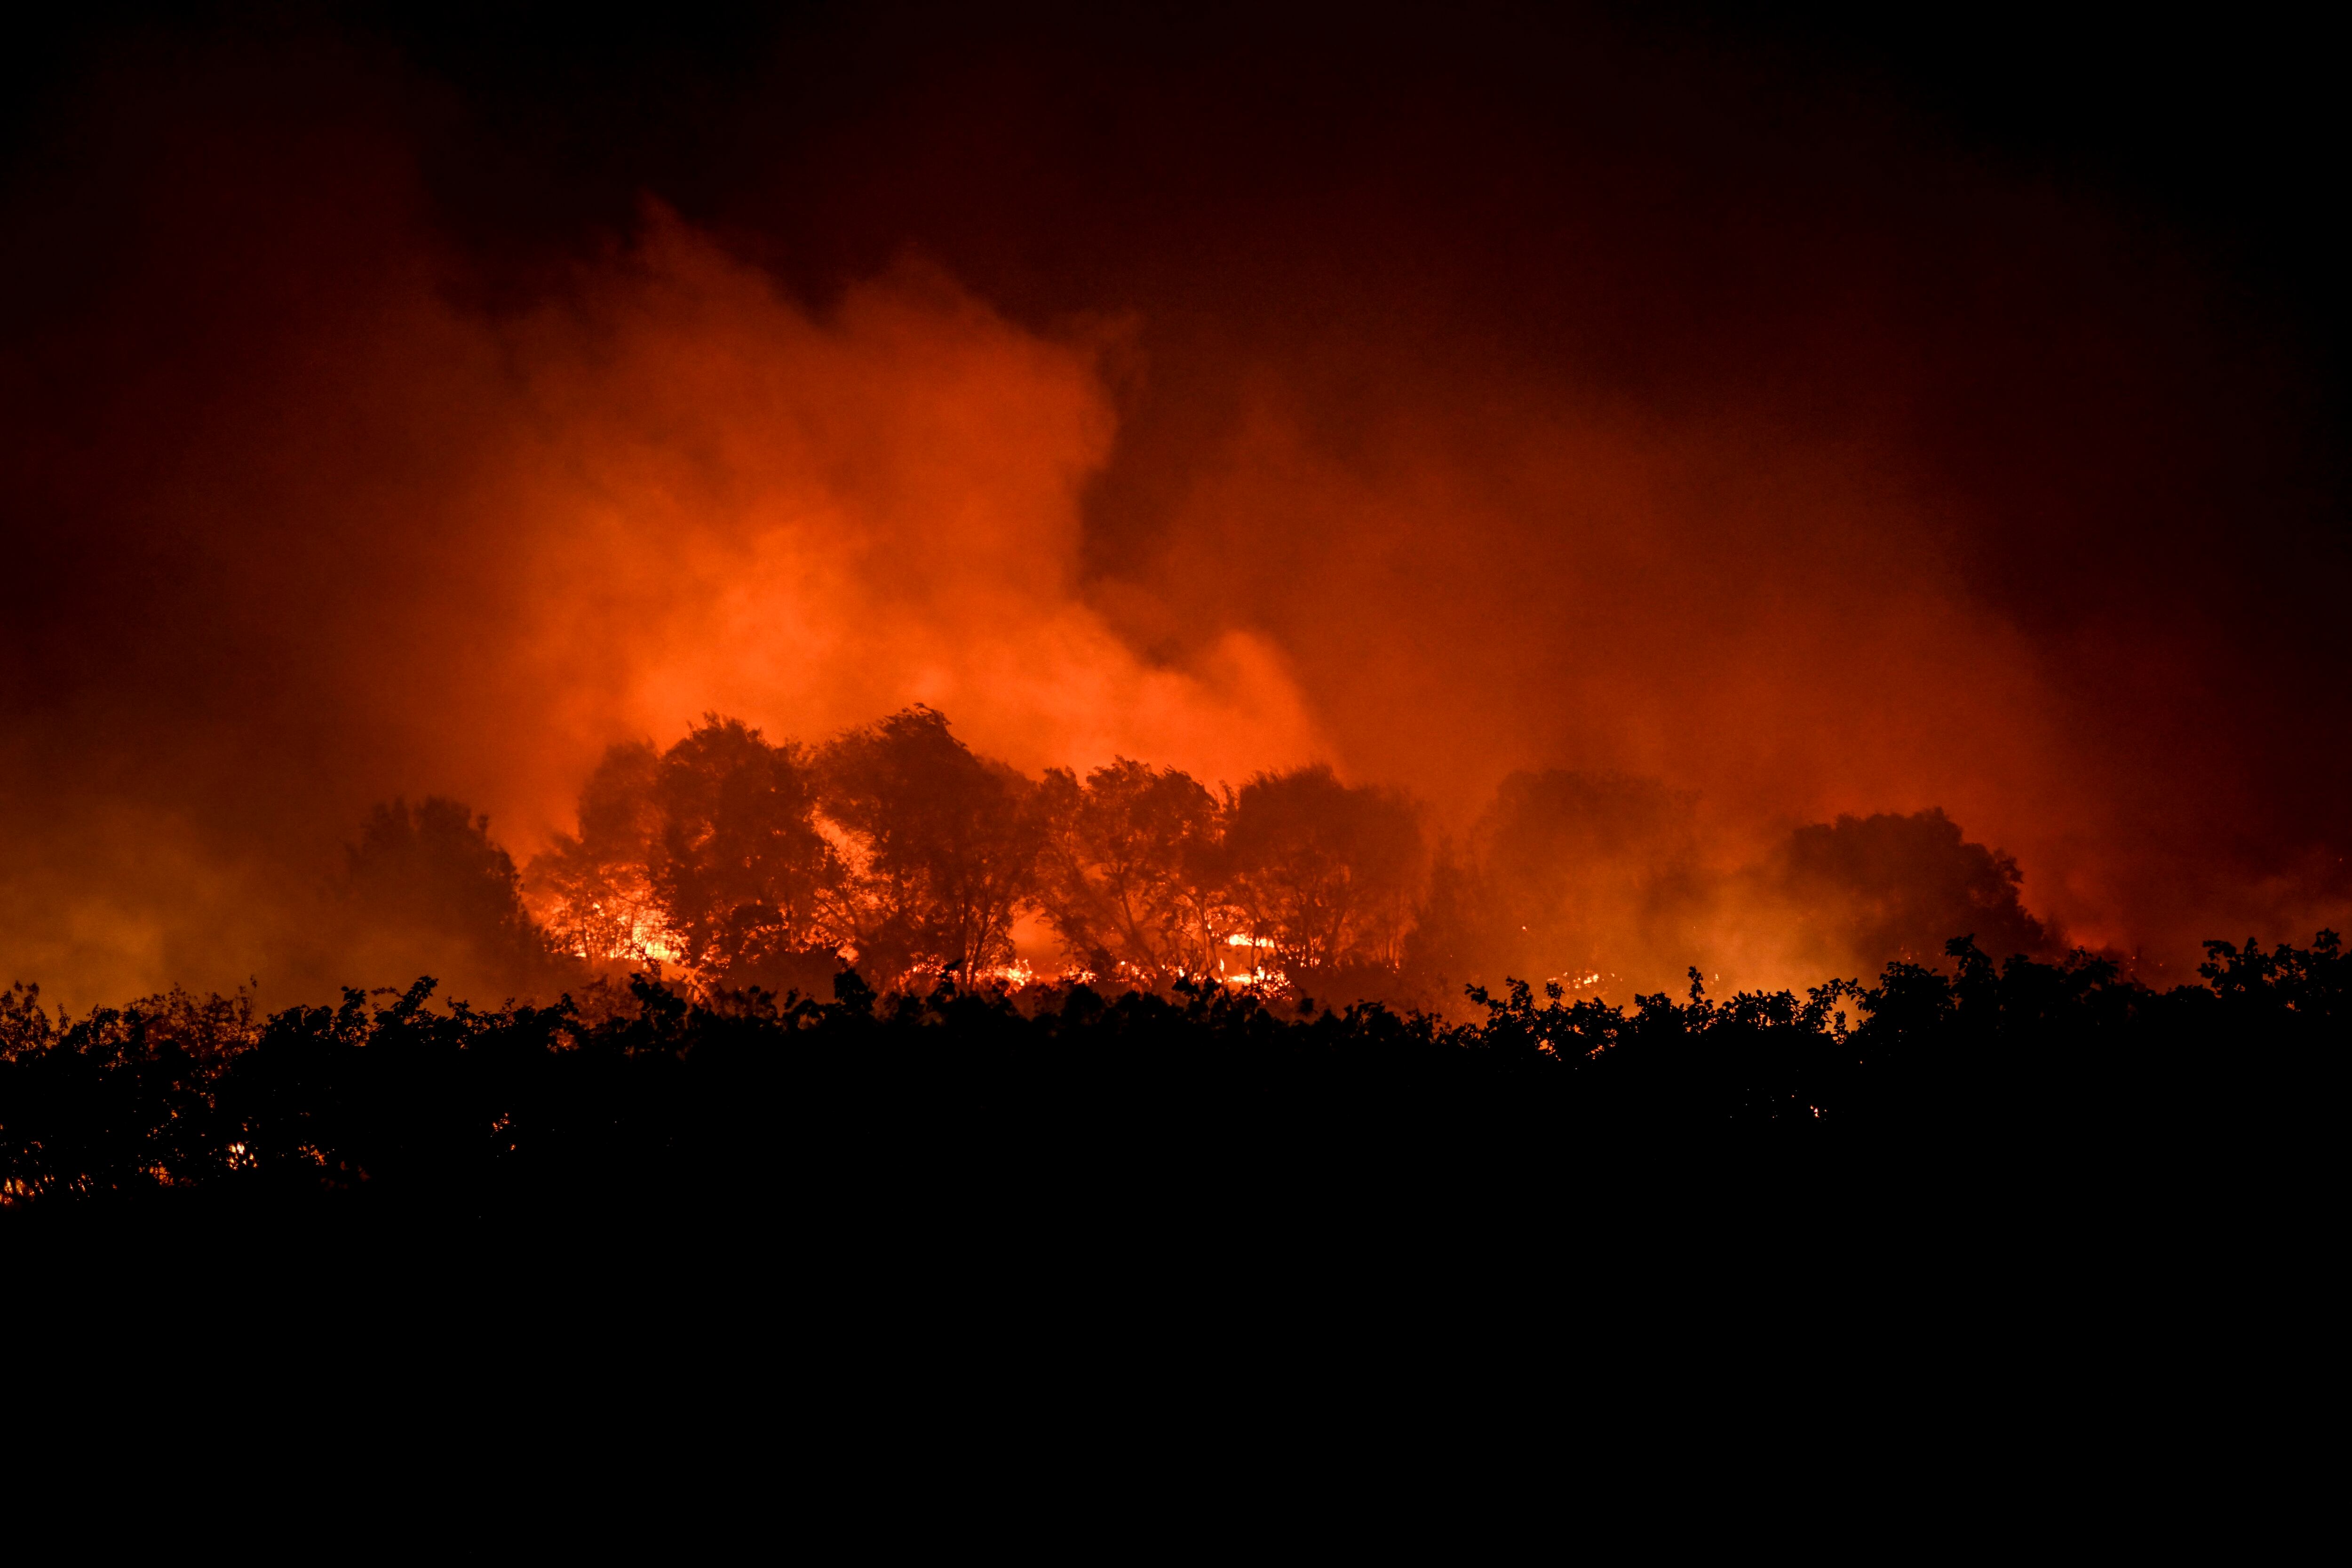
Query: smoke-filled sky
{"points": [[1812, 421]]}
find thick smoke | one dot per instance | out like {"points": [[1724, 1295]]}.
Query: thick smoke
{"points": [[1643, 469], [356, 539]]}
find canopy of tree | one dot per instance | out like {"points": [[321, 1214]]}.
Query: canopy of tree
{"points": [[729, 860], [897, 848]]}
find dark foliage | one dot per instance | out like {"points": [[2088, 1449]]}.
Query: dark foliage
{"points": [[1132, 872], [1327, 870], [1897, 884], [654, 1103], [952, 838], [737, 864], [426, 887], [730, 861]]}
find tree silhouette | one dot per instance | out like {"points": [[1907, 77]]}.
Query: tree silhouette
{"points": [[1326, 871], [739, 864], [425, 887], [945, 844], [745, 862], [597, 888], [1129, 872], [1864, 890]]}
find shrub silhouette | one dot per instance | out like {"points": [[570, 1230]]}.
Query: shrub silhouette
{"points": [[658, 1099]]}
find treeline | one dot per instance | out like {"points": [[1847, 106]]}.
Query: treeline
{"points": [[729, 862], [655, 1100], [897, 849]]}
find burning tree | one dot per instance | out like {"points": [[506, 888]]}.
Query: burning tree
{"points": [[897, 848], [594, 893], [1325, 871], [707, 855], [1131, 873], [741, 867], [750, 862], [939, 845]]}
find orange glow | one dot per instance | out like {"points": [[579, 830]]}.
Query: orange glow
{"points": [[807, 523], [1758, 487]]}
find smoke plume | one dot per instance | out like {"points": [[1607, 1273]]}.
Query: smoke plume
{"points": [[1644, 460]]}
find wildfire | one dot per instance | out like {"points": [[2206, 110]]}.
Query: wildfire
{"points": [[650, 938], [1257, 973], [612, 917]]}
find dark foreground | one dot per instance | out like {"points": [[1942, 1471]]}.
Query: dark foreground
{"points": [[2064, 1092]]}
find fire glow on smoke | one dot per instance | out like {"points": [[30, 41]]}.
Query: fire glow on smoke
{"points": [[1632, 539]]}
